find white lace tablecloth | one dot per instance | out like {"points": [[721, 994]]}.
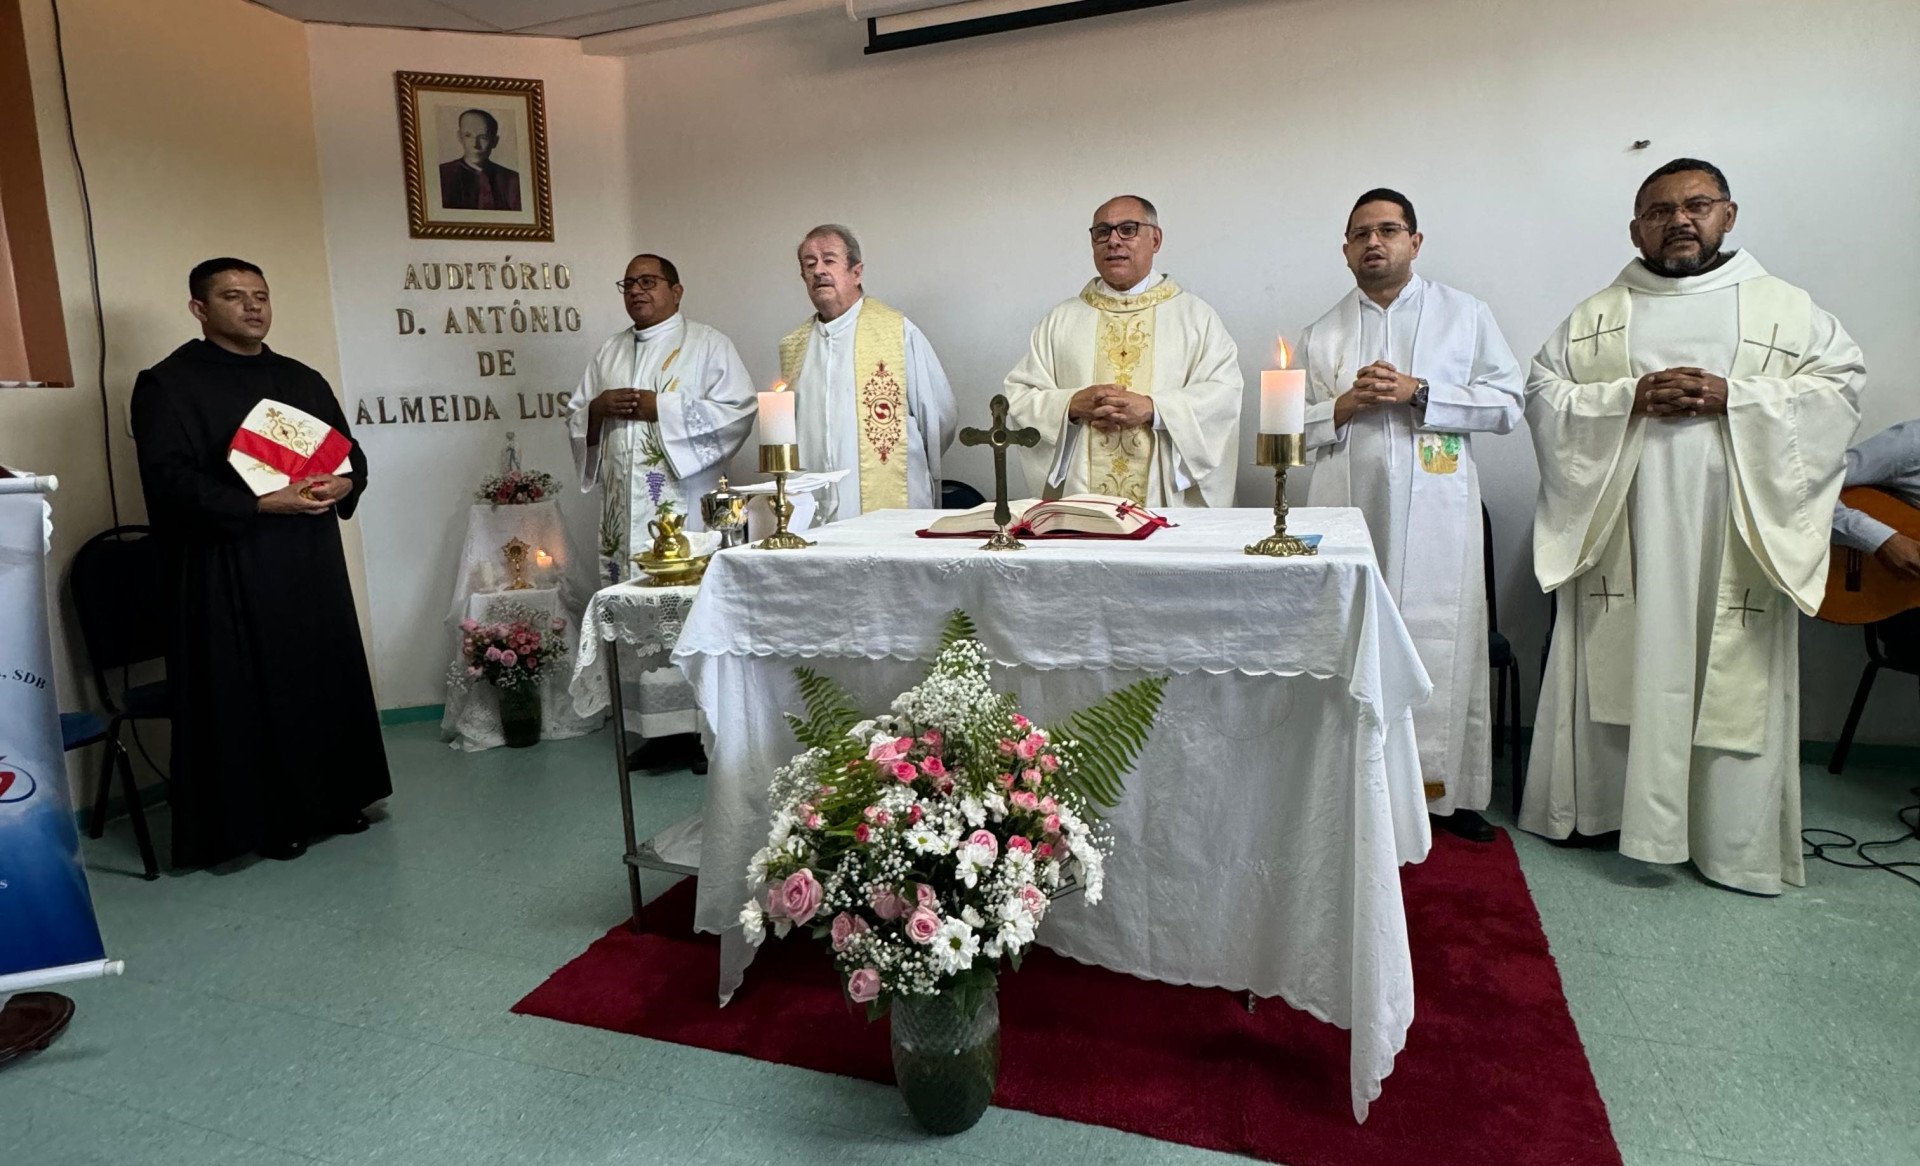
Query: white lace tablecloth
{"points": [[1258, 844], [471, 721], [645, 623]]}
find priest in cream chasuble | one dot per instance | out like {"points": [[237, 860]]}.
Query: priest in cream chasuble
{"points": [[870, 396], [657, 415], [1399, 374], [1133, 384], [1691, 421]]}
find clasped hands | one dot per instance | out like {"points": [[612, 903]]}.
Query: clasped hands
{"points": [[1680, 392], [626, 404], [1376, 385], [311, 495], [1110, 408]]}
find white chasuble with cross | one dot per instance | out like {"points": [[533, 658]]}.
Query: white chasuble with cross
{"points": [[1156, 340], [1412, 475], [870, 397], [1677, 551], [705, 403]]}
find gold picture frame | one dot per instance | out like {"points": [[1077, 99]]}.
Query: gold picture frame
{"points": [[475, 155]]}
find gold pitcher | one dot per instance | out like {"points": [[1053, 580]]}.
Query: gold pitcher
{"points": [[668, 540]]}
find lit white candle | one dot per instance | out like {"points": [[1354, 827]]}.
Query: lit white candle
{"points": [[1283, 394], [776, 417]]}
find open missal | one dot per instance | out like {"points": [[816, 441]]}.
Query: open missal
{"points": [[1075, 516]]}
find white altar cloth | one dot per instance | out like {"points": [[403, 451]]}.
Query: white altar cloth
{"points": [[1258, 844]]}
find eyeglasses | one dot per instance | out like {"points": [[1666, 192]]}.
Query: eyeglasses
{"points": [[1693, 208], [644, 283], [1388, 232], [1130, 229]]}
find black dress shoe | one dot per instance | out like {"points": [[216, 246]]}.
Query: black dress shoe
{"points": [[1465, 824], [283, 851], [354, 823]]}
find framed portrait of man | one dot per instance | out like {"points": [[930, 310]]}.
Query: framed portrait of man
{"points": [[475, 153]]}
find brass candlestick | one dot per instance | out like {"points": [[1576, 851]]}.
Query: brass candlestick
{"points": [[780, 460], [1281, 450]]}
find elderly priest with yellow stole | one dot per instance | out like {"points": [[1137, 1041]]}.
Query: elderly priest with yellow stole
{"points": [[870, 396], [1691, 421], [1145, 365]]}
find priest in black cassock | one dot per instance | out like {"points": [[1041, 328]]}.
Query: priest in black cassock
{"points": [[276, 739]]}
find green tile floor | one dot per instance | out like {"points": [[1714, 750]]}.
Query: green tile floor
{"points": [[352, 1006]]}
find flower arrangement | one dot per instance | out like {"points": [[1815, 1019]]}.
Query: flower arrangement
{"points": [[511, 653], [925, 844], [516, 487]]}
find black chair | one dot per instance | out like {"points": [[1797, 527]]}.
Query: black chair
{"points": [[79, 730], [1506, 670], [1894, 645], [123, 600], [957, 495]]}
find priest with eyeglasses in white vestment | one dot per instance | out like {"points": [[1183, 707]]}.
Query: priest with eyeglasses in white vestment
{"points": [[1399, 375], [1134, 384], [1691, 421], [657, 415], [870, 397]]}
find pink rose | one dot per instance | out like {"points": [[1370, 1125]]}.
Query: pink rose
{"points": [[1030, 748], [475, 670], [1048, 805], [885, 752], [1034, 900], [1049, 762], [888, 905], [933, 767], [1021, 723], [861, 832], [469, 625], [493, 653], [863, 986], [922, 925], [1053, 823], [871, 813], [1031, 778], [845, 927], [1005, 780], [945, 785], [1006, 748], [814, 821], [1044, 850], [903, 771], [1019, 842], [800, 896], [914, 815], [1024, 800], [883, 818], [509, 658], [903, 744], [932, 739], [926, 896], [983, 838]]}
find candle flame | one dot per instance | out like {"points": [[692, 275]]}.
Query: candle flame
{"points": [[1282, 355], [778, 387]]}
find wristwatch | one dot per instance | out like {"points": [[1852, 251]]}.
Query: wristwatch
{"points": [[1419, 399]]}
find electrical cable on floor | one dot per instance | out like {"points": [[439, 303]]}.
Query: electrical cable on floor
{"points": [[93, 266], [1846, 844]]}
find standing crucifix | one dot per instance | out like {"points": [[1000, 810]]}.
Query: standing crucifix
{"points": [[1000, 437]]}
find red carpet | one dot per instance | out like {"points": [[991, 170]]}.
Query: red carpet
{"points": [[1493, 1071]]}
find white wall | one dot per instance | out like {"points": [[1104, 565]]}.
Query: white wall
{"points": [[970, 171], [423, 475]]}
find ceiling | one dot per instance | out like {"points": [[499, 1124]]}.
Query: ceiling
{"points": [[559, 18]]}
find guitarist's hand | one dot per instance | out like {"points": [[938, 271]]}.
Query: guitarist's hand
{"points": [[1901, 555]]}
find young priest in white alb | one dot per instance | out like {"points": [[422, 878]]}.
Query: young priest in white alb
{"points": [[1146, 366], [870, 396], [1691, 421], [659, 412], [1399, 373]]}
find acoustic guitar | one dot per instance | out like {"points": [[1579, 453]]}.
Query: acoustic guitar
{"points": [[1859, 589]]}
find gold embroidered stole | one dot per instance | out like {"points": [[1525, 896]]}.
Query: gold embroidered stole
{"points": [[879, 397], [1121, 463], [1772, 314]]}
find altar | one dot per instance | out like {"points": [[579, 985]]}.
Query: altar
{"points": [[1258, 845]]}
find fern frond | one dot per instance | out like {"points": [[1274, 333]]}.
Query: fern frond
{"points": [[830, 711], [1106, 739], [959, 627]]}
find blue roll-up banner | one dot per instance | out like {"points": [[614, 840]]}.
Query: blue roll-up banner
{"points": [[47, 931]]}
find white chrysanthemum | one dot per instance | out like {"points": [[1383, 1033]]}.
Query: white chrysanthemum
{"points": [[974, 811], [753, 920], [757, 866], [925, 840], [995, 803], [955, 947], [971, 918]]}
